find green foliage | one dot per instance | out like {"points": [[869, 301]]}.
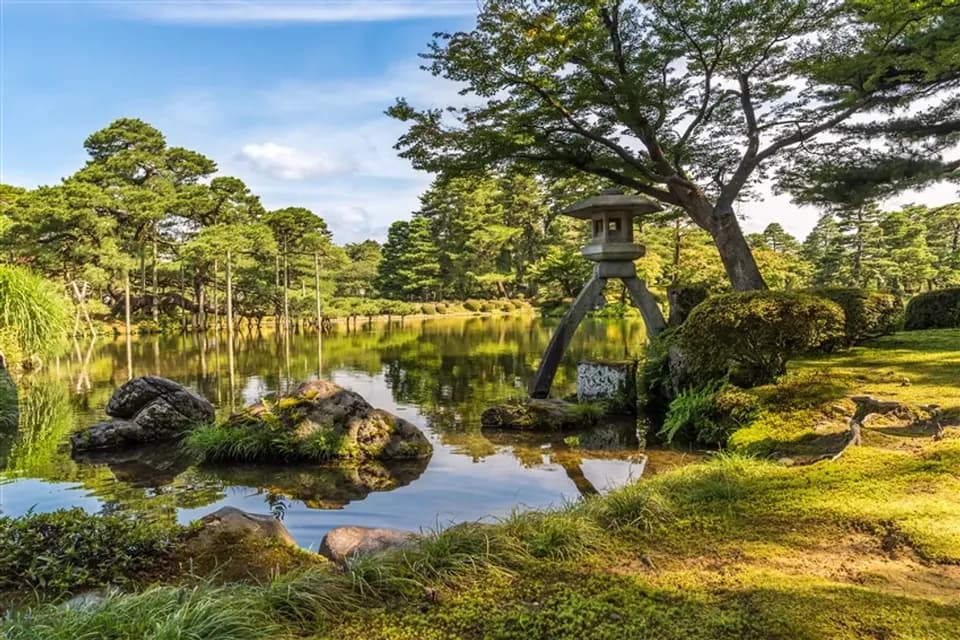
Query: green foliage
{"points": [[709, 414], [933, 310], [751, 336], [867, 314], [33, 314], [655, 383], [473, 305], [262, 441], [71, 550], [428, 309], [160, 613]]}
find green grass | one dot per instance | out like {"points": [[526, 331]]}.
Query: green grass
{"points": [[735, 547]]}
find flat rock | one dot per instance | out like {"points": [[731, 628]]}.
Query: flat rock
{"points": [[533, 414], [230, 520], [146, 409], [343, 543]]}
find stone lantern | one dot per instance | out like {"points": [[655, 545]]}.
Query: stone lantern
{"points": [[611, 215]]}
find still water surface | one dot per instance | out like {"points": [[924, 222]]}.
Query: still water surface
{"points": [[438, 373]]}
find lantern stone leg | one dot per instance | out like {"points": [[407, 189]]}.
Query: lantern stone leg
{"points": [[644, 301], [543, 379]]}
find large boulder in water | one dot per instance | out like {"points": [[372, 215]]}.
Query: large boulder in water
{"points": [[146, 409], [319, 421]]}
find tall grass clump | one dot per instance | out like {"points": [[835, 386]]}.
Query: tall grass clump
{"points": [[567, 534], [34, 314], [160, 613]]}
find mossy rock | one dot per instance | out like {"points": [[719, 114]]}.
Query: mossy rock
{"points": [[319, 421], [542, 415]]}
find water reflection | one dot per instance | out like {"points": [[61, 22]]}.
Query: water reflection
{"points": [[440, 374]]}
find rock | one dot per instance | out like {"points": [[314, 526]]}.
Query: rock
{"points": [[86, 599], [347, 425], [233, 521], [535, 414], [613, 382], [146, 409], [346, 542]]}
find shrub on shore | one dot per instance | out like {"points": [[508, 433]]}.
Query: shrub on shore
{"points": [[71, 550], [933, 310], [749, 337], [868, 314]]}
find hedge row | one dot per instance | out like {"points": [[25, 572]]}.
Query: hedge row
{"points": [[933, 310], [867, 314]]}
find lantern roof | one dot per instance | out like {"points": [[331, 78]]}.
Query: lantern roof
{"points": [[609, 201]]}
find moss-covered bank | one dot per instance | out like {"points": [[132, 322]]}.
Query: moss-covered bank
{"points": [[867, 546]]}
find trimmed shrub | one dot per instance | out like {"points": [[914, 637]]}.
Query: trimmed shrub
{"points": [[709, 414], [505, 305], [487, 307], [933, 310], [868, 314], [442, 307], [750, 336], [428, 309], [472, 305]]}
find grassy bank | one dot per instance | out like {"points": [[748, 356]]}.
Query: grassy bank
{"points": [[867, 546]]}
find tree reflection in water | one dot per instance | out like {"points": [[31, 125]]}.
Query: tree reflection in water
{"points": [[439, 373]]}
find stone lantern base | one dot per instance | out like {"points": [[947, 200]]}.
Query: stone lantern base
{"points": [[612, 381]]}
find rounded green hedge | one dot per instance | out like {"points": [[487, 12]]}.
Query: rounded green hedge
{"points": [[933, 310], [750, 336], [868, 314]]}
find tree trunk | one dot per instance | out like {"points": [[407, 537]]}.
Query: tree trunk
{"points": [[316, 275], [129, 328], [721, 223], [276, 315], [286, 289], [156, 287], [201, 307], [143, 271], [735, 254], [229, 294], [216, 305]]}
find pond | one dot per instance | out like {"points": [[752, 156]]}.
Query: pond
{"points": [[438, 373]]}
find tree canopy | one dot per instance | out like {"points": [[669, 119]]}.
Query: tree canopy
{"points": [[690, 103]]}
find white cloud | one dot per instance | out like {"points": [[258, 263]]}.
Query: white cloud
{"points": [[289, 163], [233, 12]]}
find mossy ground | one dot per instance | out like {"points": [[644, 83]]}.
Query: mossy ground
{"points": [[867, 546]]}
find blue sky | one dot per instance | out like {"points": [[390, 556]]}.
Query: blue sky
{"points": [[288, 96]]}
